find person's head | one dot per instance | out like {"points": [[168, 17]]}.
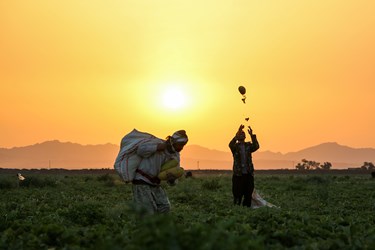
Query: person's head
{"points": [[178, 140], [240, 136]]}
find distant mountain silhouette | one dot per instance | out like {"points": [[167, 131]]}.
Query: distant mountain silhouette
{"points": [[331, 151], [56, 154]]}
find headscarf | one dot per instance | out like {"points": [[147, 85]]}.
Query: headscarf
{"points": [[179, 137]]}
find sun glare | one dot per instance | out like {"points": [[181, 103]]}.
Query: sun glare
{"points": [[174, 98]]}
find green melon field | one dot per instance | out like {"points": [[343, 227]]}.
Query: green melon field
{"points": [[316, 211]]}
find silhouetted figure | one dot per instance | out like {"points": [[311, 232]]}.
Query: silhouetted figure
{"points": [[147, 191], [243, 168]]}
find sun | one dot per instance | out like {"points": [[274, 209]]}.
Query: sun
{"points": [[174, 97]]}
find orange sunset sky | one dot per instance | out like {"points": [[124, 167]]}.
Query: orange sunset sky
{"points": [[91, 71]]}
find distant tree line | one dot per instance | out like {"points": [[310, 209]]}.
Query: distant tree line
{"points": [[313, 165], [368, 166]]}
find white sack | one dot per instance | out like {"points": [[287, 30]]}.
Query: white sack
{"points": [[127, 160], [257, 201]]}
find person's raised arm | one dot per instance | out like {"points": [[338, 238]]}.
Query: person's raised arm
{"points": [[254, 140], [232, 143]]}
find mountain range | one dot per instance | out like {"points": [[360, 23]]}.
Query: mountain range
{"points": [[56, 154]]}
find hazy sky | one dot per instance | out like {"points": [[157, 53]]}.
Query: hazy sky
{"points": [[91, 71]]}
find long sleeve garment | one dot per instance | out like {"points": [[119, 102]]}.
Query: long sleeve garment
{"points": [[152, 159], [249, 147]]}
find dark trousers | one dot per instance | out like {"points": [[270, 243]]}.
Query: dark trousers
{"points": [[242, 187]]}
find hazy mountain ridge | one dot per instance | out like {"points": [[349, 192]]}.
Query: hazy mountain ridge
{"points": [[56, 154], [331, 151]]}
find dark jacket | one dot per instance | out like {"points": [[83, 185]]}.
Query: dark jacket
{"points": [[249, 148]]}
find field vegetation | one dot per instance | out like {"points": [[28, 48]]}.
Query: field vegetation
{"points": [[322, 211]]}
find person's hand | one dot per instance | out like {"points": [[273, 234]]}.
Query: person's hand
{"points": [[240, 129], [250, 130], [170, 176], [171, 179]]}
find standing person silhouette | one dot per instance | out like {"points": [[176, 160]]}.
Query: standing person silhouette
{"points": [[243, 168]]}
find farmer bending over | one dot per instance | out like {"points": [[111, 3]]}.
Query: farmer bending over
{"points": [[147, 191]]}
